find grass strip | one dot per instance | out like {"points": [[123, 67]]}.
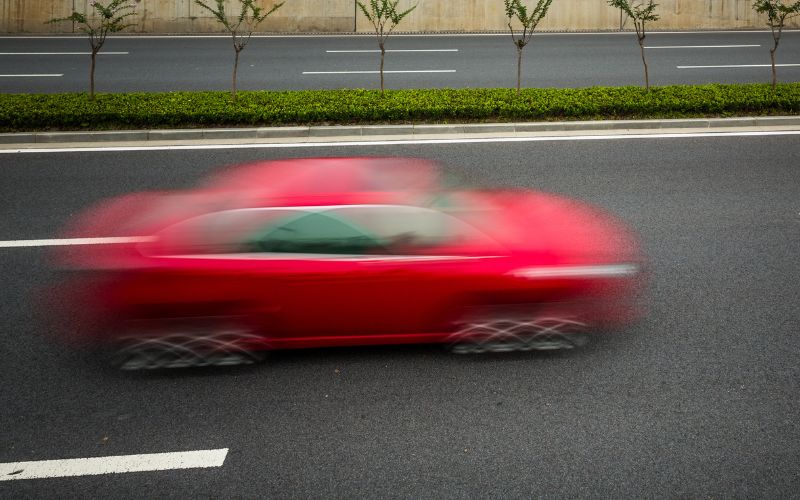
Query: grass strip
{"points": [[74, 111]]}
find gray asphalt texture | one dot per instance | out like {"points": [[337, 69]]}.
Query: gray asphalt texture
{"points": [[551, 60], [699, 400]]}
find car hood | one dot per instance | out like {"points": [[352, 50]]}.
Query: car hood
{"points": [[561, 231]]}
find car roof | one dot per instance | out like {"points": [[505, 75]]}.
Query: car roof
{"points": [[326, 176]]}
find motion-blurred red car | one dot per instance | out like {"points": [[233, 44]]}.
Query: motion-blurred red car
{"points": [[342, 251]]}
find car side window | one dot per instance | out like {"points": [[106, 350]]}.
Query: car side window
{"points": [[316, 232], [324, 230], [224, 232], [396, 230]]}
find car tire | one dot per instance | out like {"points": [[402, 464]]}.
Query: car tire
{"points": [[185, 346], [502, 332]]}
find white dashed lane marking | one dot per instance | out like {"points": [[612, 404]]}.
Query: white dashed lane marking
{"points": [[376, 72], [72, 241], [372, 51], [698, 46], [61, 53], [112, 465], [738, 66]]}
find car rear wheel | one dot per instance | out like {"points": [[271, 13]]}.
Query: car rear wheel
{"points": [[186, 346], [496, 333]]}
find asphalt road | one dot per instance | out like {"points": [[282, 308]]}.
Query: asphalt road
{"points": [[699, 400], [139, 63]]}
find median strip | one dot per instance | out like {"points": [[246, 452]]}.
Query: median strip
{"points": [[356, 107]]}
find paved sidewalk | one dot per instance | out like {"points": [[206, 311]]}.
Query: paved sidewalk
{"points": [[397, 132]]}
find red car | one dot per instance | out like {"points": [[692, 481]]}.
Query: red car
{"points": [[341, 252]]}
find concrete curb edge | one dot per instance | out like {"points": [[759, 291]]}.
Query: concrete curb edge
{"points": [[387, 130]]}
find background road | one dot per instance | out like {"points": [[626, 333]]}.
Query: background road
{"points": [[139, 63], [700, 400]]}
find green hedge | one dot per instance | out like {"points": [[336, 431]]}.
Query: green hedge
{"points": [[21, 112]]}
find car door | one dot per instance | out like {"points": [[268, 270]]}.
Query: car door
{"points": [[367, 270]]}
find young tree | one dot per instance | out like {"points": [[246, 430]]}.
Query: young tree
{"points": [[241, 27], [109, 17], [777, 13], [516, 9], [380, 13], [640, 13]]}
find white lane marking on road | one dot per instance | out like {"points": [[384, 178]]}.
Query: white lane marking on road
{"points": [[113, 465], [74, 241], [697, 46], [610, 270], [61, 53], [736, 66], [476, 140], [31, 75], [376, 72], [388, 50]]}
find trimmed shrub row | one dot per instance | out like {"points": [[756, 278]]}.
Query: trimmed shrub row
{"points": [[26, 112]]}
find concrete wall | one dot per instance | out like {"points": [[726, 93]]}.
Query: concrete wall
{"points": [[184, 16]]}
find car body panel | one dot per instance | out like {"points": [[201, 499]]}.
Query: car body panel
{"points": [[346, 251]]}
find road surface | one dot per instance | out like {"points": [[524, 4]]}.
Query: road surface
{"points": [[700, 400], [150, 64]]}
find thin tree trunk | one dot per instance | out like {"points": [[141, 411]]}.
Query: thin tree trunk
{"points": [[383, 52], [519, 68], [235, 67], [774, 74], [644, 61], [91, 75], [776, 38]]}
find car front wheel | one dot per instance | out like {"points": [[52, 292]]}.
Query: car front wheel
{"points": [[508, 333]]}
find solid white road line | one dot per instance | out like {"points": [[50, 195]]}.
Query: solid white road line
{"points": [[376, 72], [697, 46], [61, 53], [112, 465], [72, 241], [736, 66], [14, 76], [388, 50], [476, 140]]}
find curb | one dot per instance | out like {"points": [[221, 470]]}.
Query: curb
{"points": [[389, 130]]}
